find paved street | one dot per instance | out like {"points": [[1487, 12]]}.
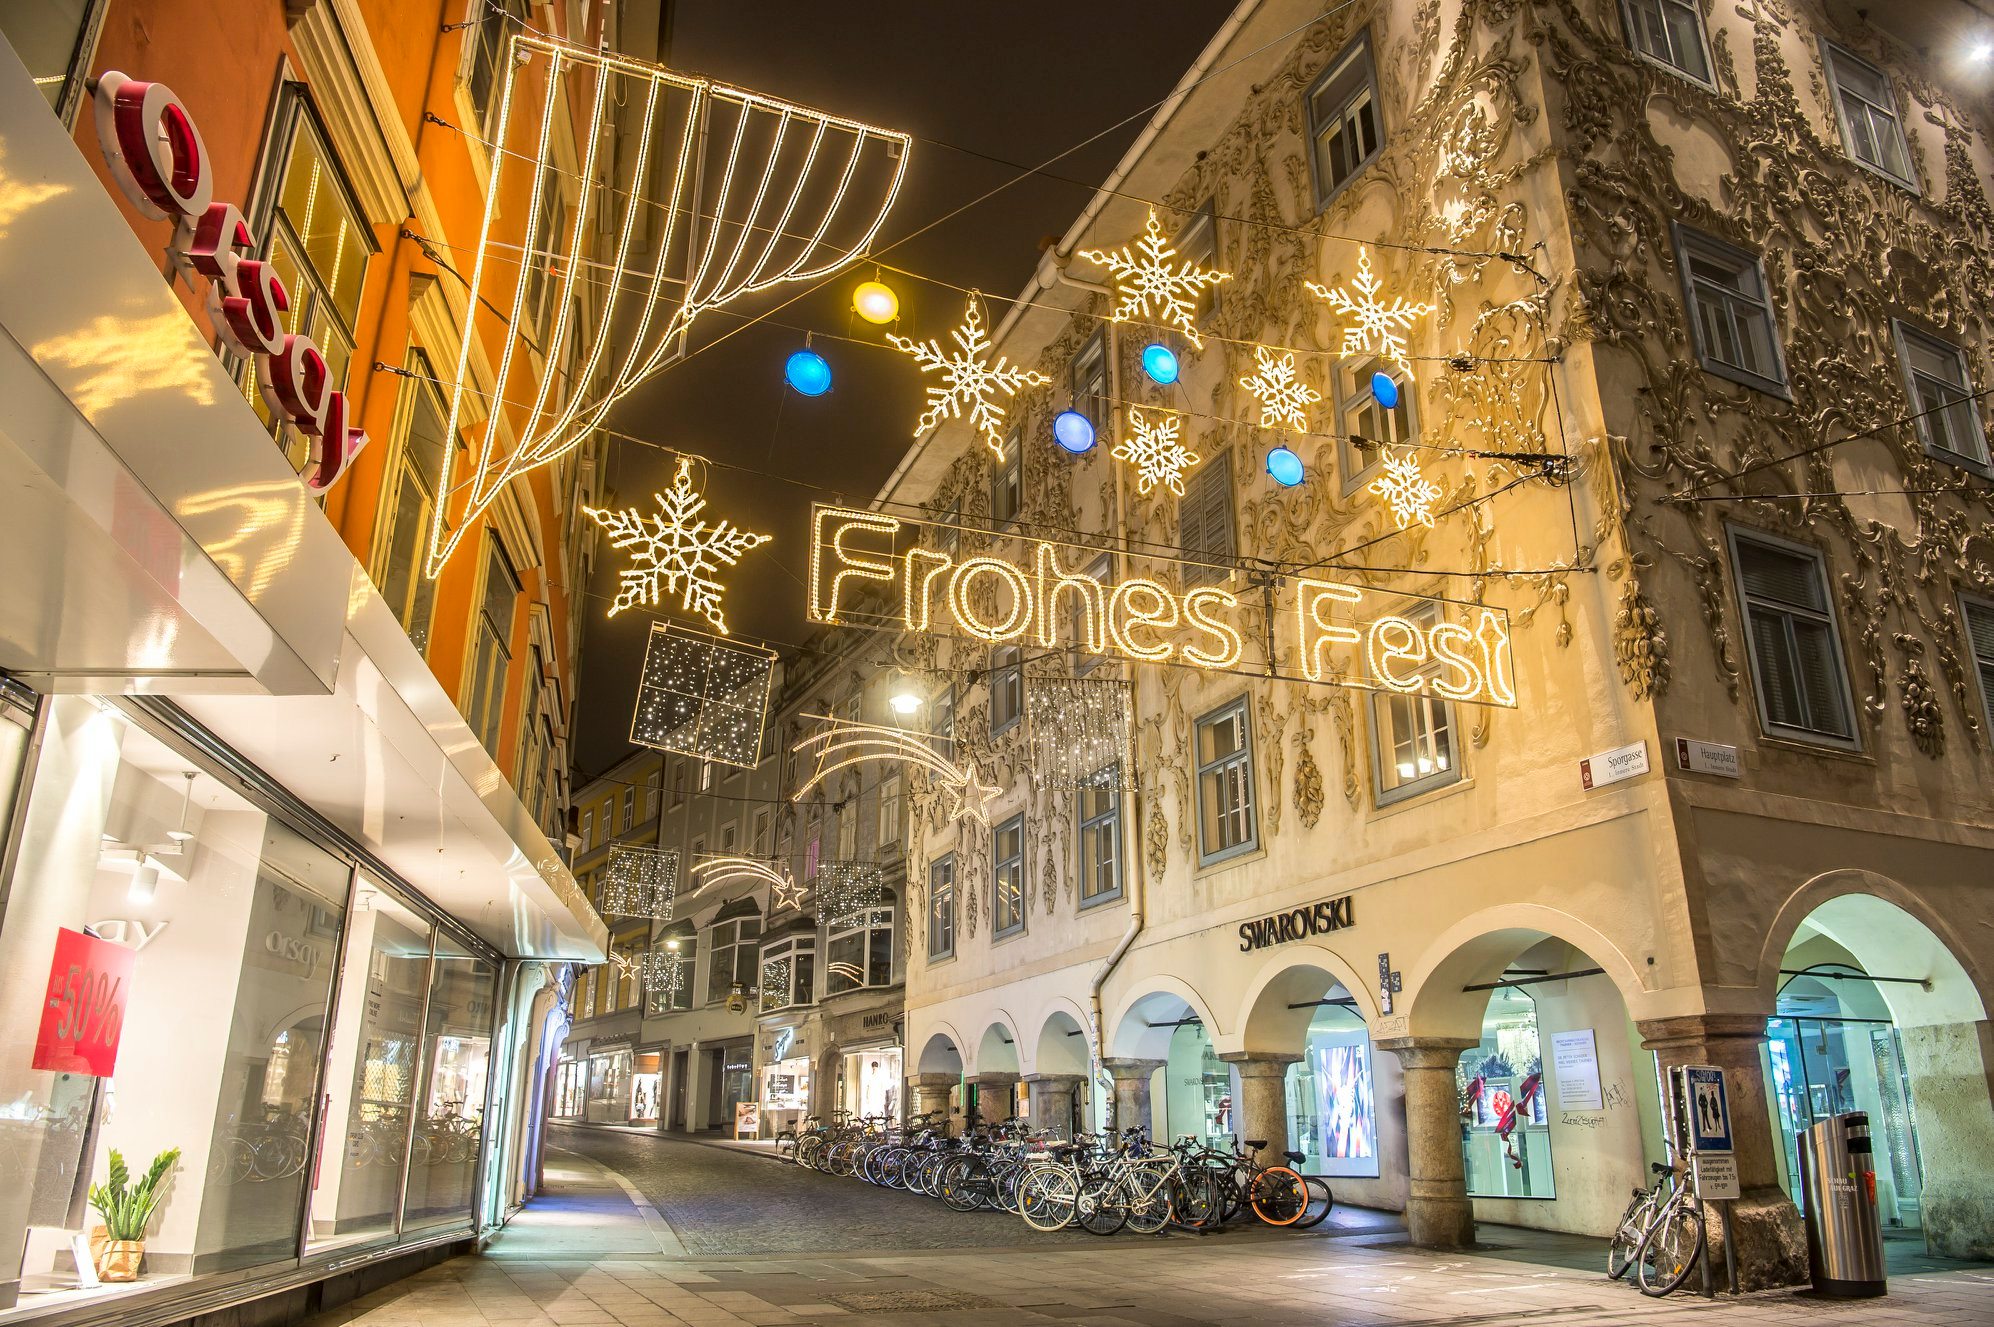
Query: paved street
{"points": [[690, 1233]]}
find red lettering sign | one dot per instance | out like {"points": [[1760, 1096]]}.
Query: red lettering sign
{"points": [[88, 982], [160, 163]]}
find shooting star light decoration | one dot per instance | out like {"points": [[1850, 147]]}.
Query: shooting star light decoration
{"points": [[736, 192], [676, 550], [1149, 285], [717, 870], [840, 744], [969, 381]]}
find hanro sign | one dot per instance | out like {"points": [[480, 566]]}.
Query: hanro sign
{"points": [[1299, 924], [1301, 629], [160, 163], [89, 981]]}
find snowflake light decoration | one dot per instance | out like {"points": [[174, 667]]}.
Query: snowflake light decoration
{"points": [[1148, 284], [1284, 398], [676, 551], [1410, 494], [1153, 449], [969, 381], [1380, 327]]}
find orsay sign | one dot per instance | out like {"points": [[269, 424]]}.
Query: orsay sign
{"points": [[1296, 924]]}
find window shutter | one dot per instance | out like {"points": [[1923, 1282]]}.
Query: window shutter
{"points": [[1788, 578]]}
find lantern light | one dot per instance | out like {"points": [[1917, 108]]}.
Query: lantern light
{"points": [[1384, 390], [1073, 431], [1159, 363], [875, 302], [1284, 467], [905, 702], [808, 373]]}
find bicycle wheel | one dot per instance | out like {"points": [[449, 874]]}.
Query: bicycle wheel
{"points": [[1199, 1203], [1279, 1196], [1670, 1252], [1148, 1204], [1320, 1201], [1046, 1197], [279, 1156], [1102, 1206], [1626, 1242], [962, 1182]]}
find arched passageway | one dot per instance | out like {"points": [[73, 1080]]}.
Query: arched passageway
{"points": [[1163, 1073], [1057, 1093], [994, 1081], [934, 1088]]}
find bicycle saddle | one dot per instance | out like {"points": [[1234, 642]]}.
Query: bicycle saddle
{"points": [[1256, 1143], [1661, 1168], [1294, 1158]]}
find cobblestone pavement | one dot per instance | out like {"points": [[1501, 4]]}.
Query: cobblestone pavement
{"points": [[597, 1252]]}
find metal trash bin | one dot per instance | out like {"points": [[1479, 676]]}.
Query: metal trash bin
{"points": [[1838, 1195]]}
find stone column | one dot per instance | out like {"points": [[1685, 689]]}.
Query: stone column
{"points": [[1131, 1105], [697, 1087], [1951, 1068], [1437, 1212], [1769, 1239], [930, 1092], [1261, 1108], [995, 1093], [1052, 1101]]}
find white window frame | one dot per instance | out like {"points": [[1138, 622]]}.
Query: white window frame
{"points": [[1197, 242], [681, 1000], [1354, 398], [1087, 380], [1007, 679], [1430, 715], [941, 906], [1359, 49], [1009, 478], [891, 819], [1216, 770], [1104, 825], [1735, 303], [1835, 60], [739, 938], [1636, 39], [1911, 338], [864, 927], [1738, 537], [1000, 863], [791, 947]]}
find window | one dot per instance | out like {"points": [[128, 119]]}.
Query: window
{"points": [[677, 953], [1412, 736], [1226, 823], [889, 810], [588, 828], [1730, 312], [730, 834], [1100, 569], [55, 40], [1867, 112], [1941, 397], [492, 652], [948, 536], [942, 709], [629, 809], [813, 848], [1198, 244], [317, 242], [1343, 120], [705, 775], [678, 782], [1087, 380], [1204, 523], [651, 796], [941, 907], [1007, 687], [1007, 878], [1006, 485], [858, 952], [550, 247], [1790, 632], [1669, 32], [848, 833], [492, 22], [733, 951], [1978, 615], [531, 776], [1359, 415], [789, 972], [763, 845], [1100, 810]]}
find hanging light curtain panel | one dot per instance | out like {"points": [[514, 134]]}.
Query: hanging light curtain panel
{"points": [[665, 974], [702, 696], [1080, 732], [848, 889], [640, 881]]}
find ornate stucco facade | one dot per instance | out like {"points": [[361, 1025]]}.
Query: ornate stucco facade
{"points": [[1532, 182]]}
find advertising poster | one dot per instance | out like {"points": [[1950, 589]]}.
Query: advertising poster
{"points": [[1575, 1065], [1346, 1124]]}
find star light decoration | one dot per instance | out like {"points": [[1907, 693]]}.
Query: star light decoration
{"points": [[1149, 285], [1410, 494], [784, 892], [1284, 398], [1152, 447], [1380, 327], [969, 380], [675, 551]]}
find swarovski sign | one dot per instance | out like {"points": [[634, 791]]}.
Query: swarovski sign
{"points": [[1295, 924]]}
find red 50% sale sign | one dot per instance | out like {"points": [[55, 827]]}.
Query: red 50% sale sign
{"points": [[88, 982]]}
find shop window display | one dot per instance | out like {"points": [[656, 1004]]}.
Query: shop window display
{"points": [[1505, 1126], [1198, 1089], [449, 1132], [570, 1089], [1332, 1114], [873, 1082]]}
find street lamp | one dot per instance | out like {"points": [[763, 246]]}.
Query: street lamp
{"points": [[905, 701]]}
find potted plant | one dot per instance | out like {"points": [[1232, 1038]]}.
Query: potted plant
{"points": [[127, 1210]]}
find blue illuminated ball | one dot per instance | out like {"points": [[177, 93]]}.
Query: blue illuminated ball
{"points": [[808, 373], [1159, 363], [1073, 431], [1285, 467], [1384, 391]]}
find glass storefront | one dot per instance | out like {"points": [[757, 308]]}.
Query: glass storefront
{"points": [[182, 968], [609, 1086], [570, 1089], [646, 1083], [872, 1082], [1197, 1087], [1332, 1115], [1505, 1124]]}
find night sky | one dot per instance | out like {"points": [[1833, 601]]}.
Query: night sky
{"points": [[1021, 82]]}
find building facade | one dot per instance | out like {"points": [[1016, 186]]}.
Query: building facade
{"points": [[1672, 743], [290, 806]]}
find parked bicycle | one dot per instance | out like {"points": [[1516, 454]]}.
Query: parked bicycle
{"points": [[1660, 1235]]}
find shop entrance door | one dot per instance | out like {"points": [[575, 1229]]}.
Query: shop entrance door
{"points": [[1827, 1066], [681, 1061]]}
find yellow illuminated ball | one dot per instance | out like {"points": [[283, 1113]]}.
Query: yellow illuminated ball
{"points": [[875, 302]]}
